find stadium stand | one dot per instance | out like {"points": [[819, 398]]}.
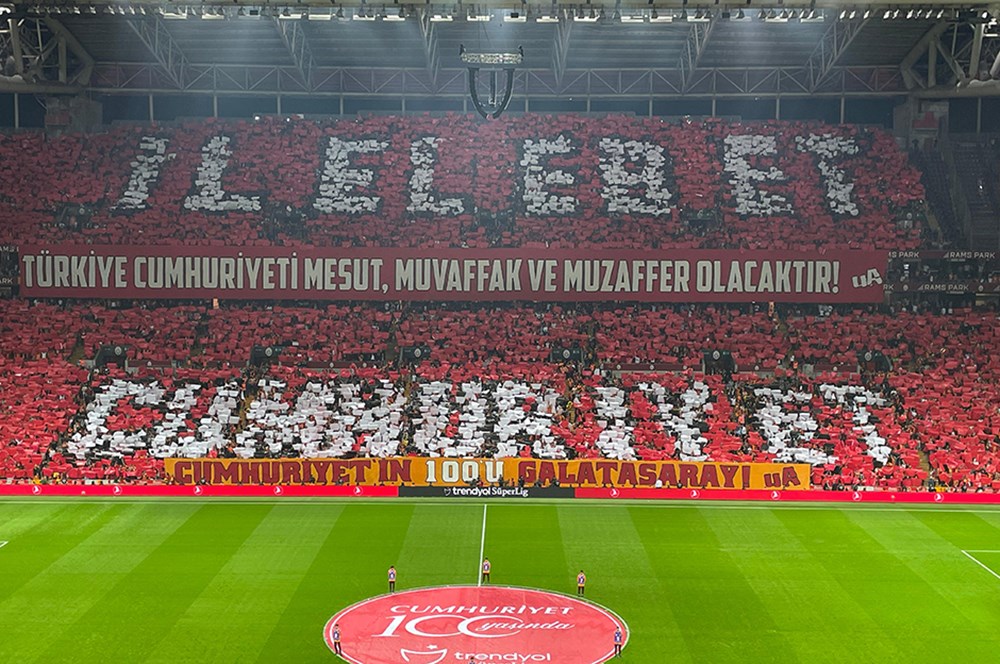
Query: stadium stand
{"points": [[428, 181], [307, 335], [934, 177], [491, 386], [40, 398], [495, 393]]}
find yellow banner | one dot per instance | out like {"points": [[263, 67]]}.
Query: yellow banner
{"points": [[418, 471], [593, 473]]}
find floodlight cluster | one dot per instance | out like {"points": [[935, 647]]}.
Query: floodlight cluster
{"points": [[584, 13]]}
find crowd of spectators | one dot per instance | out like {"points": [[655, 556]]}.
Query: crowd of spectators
{"points": [[341, 384], [800, 390], [418, 181]]}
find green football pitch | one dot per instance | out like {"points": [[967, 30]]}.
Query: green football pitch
{"points": [[185, 581]]}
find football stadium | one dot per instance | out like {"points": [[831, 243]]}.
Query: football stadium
{"points": [[458, 332]]}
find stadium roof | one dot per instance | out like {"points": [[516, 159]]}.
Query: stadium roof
{"points": [[615, 49]]}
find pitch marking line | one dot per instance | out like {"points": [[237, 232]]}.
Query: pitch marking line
{"points": [[968, 554], [482, 549], [3, 543]]}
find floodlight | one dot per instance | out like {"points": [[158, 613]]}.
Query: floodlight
{"points": [[395, 17]]}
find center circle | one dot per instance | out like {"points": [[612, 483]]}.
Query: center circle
{"points": [[474, 623]]}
